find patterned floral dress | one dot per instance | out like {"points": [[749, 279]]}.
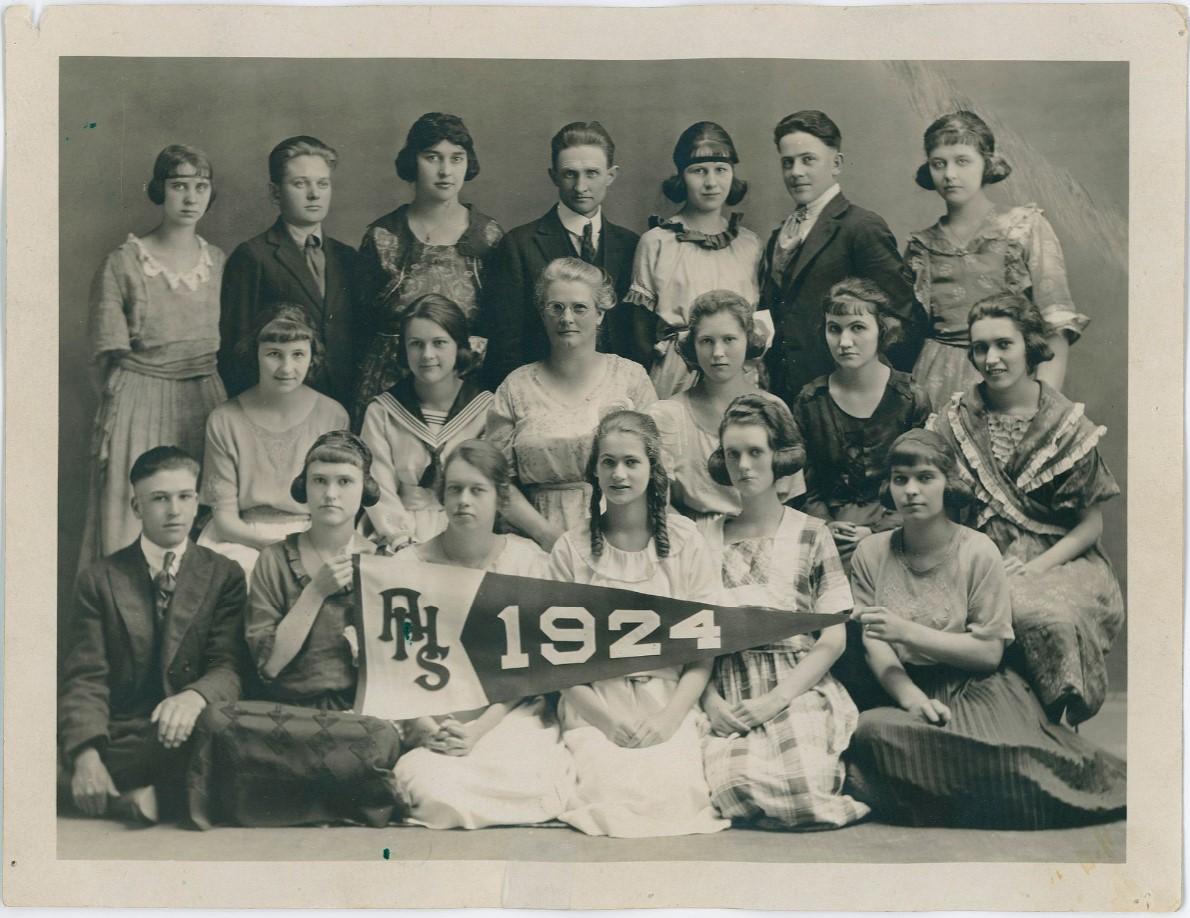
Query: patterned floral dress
{"points": [[1014, 251], [788, 772], [1033, 478], [673, 265], [157, 333], [395, 269]]}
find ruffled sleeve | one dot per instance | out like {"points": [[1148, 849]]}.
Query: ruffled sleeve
{"points": [[646, 284], [989, 601], [1047, 272], [109, 299], [220, 477]]}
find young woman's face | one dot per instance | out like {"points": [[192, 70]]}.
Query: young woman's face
{"points": [[430, 351], [283, 364], [334, 492], [469, 498], [570, 315], [622, 467], [918, 491], [707, 186], [853, 340], [304, 194], [721, 345], [749, 458], [441, 171], [808, 166], [957, 171], [187, 196], [998, 352]]}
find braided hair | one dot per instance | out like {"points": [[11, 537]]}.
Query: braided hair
{"points": [[657, 494]]}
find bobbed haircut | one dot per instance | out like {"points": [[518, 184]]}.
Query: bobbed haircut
{"points": [[488, 460], [703, 141], [967, 128], [926, 447], [280, 324], [712, 303], [813, 122], [857, 296], [338, 446], [166, 167], [428, 131], [575, 271], [657, 494], [293, 147], [789, 453], [162, 459], [444, 312], [1022, 312], [583, 134]]}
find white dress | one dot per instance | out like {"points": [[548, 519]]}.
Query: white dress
{"points": [[657, 790], [518, 773]]}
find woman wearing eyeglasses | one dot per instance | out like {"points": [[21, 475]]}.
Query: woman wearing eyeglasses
{"points": [[544, 412]]}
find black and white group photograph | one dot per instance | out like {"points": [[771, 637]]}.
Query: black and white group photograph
{"points": [[710, 459]]}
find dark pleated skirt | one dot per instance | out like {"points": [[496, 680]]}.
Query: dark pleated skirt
{"points": [[1000, 763], [260, 763]]}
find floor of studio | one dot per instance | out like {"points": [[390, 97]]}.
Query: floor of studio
{"points": [[868, 842]]}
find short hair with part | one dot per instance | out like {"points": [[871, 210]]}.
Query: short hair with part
{"points": [[488, 459], [446, 313], [291, 148], [859, 296], [162, 459], [713, 303], [576, 271], [1027, 318], [583, 134], [428, 131], [166, 167], [771, 414], [813, 122]]}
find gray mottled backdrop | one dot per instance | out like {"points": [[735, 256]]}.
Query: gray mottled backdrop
{"points": [[1064, 126]]}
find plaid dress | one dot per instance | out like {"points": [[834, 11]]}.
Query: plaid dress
{"points": [[786, 773]]}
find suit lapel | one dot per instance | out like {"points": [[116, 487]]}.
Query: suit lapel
{"points": [[552, 239], [132, 591], [193, 581], [292, 259], [823, 231]]}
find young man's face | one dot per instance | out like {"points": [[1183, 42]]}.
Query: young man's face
{"points": [[304, 195], [166, 503], [808, 166], [582, 177]]}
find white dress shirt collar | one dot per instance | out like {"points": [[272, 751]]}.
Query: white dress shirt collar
{"points": [[574, 223], [155, 554]]}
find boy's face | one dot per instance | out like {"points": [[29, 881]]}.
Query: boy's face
{"points": [[582, 177], [304, 195], [808, 166], [166, 503]]}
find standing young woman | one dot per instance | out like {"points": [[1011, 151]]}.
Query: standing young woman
{"points": [[967, 743], [636, 739], [695, 250], [505, 764], [434, 244], [779, 720], [1031, 457], [154, 328]]}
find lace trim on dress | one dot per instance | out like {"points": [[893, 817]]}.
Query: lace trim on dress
{"points": [[199, 274], [721, 240]]}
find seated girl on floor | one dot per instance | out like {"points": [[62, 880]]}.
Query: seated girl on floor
{"points": [[779, 720], [967, 743], [636, 740], [504, 764], [255, 441], [298, 755]]}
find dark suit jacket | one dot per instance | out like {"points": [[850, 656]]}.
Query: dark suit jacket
{"points": [[511, 322], [845, 241], [202, 647], [270, 269]]}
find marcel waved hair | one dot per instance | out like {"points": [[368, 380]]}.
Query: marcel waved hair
{"points": [[703, 138], [789, 454], [712, 303], [1022, 313], [926, 447], [657, 493], [575, 271], [488, 460], [338, 446]]}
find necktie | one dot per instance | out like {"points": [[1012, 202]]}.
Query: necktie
{"points": [[587, 249], [316, 261], [165, 582], [799, 219]]}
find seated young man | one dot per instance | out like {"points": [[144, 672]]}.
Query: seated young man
{"points": [[157, 636]]}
